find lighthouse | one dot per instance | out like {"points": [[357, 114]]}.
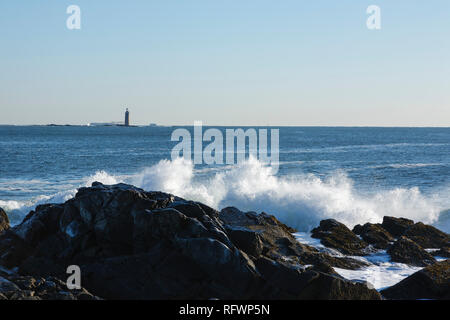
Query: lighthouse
{"points": [[127, 118]]}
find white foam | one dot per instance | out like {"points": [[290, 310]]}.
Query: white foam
{"points": [[300, 201], [443, 222], [103, 177], [10, 205], [305, 238], [18, 209], [382, 275]]}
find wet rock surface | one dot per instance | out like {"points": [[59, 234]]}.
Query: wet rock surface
{"points": [[267, 236], [396, 226], [407, 251], [17, 287], [410, 240], [4, 221], [443, 252], [132, 244], [427, 236], [432, 282], [336, 235], [375, 235]]}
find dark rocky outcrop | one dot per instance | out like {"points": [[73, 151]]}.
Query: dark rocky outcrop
{"points": [[396, 226], [336, 235], [374, 234], [17, 287], [264, 235], [4, 221], [443, 252], [427, 236], [407, 251], [337, 289], [132, 244], [287, 281], [432, 282]]}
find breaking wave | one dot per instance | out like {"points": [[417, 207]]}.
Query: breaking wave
{"points": [[300, 201], [18, 209]]}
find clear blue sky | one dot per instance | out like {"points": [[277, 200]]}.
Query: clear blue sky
{"points": [[227, 62]]}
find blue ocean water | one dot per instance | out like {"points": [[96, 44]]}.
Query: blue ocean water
{"points": [[355, 175]]}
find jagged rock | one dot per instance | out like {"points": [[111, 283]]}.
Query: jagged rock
{"points": [[288, 281], [444, 252], [338, 289], [396, 226], [119, 232], [336, 235], [263, 234], [374, 234], [8, 288], [427, 236], [4, 221], [132, 244], [16, 287], [247, 240], [381, 235], [432, 282], [407, 251]]}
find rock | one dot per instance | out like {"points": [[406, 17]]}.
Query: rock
{"points": [[407, 251], [16, 287], [292, 282], [260, 234], [31, 231], [396, 226], [432, 282], [4, 221], [336, 235], [374, 234], [8, 288], [263, 234], [13, 250], [427, 236], [288, 280], [124, 233], [329, 287], [444, 252], [247, 240], [133, 244], [160, 274]]}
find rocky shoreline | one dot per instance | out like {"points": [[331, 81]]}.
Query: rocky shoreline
{"points": [[133, 244]]}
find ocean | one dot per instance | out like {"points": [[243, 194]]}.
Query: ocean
{"points": [[353, 174]]}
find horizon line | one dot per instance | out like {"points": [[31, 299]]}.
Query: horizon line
{"points": [[222, 125]]}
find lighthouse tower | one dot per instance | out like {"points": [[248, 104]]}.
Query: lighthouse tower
{"points": [[127, 118]]}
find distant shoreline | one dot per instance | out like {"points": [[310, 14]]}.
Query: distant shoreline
{"points": [[225, 126]]}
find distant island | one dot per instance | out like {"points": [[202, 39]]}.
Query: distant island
{"points": [[125, 123]]}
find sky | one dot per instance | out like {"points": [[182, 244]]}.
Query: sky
{"points": [[227, 62]]}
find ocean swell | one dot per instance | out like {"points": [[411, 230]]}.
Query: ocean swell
{"points": [[300, 201], [18, 209]]}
